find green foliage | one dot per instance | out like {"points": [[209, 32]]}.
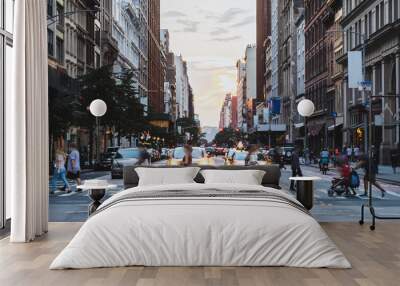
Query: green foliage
{"points": [[228, 137]]}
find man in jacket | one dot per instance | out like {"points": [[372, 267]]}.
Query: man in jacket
{"points": [[296, 170]]}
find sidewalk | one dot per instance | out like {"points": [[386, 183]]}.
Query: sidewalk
{"points": [[385, 173]]}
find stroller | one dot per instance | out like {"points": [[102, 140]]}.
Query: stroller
{"points": [[345, 185]]}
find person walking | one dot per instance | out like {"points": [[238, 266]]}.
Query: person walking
{"points": [[324, 161], [251, 158], [395, 158], [187, 158], [296, 170], [369, 177], [59, 172], [74, 165], [144, 156]]}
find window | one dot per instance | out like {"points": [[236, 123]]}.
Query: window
{"points": [[60, 50], [50, 42], [60, 13], [50, 8], [6, 64]]}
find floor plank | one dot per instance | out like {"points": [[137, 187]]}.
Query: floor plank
{"points": [[375, 257]]}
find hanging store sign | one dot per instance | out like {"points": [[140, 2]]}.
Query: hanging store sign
{"points": [[355, 69]]}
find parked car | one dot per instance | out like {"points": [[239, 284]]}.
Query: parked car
{"points": [[105, 161], [210, 151], [199, 157], [124, 157], [220, 151]]}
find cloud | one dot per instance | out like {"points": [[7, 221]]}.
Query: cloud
{"points": [[230, 14], [173, 14], [218, 31], [188, 25], [226, 39], [246, 21]]}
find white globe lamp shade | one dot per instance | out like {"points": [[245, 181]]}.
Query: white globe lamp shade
{"points": [[98, 108], [306, 108]]}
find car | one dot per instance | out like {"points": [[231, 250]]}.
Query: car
{"points": [[210, 151], [220, 151], [199, 157], [105, 161], [113, 150], [124, 157], [238, 158]]}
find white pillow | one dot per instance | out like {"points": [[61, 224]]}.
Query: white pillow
{"points": [[244, 177], [166, 176]]}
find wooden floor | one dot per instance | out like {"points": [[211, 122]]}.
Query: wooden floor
{"points": [[375, 257]]}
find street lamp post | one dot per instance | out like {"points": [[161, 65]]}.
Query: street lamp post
{"points": [[98, 108], [305, 108]]}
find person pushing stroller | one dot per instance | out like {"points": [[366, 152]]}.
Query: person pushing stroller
{"points": [[345, 184]]}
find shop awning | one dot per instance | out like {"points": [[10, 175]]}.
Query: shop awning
{"points": [[339, 122]]}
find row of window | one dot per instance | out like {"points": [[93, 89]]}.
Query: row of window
{"points": [[373, 19]]}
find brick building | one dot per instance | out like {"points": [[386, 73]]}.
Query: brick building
{"points": [[155, 80], [316, 72], [263, 32]]}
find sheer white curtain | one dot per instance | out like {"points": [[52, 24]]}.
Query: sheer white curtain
{"points": [[27, 124]]}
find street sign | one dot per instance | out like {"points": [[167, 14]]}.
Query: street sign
{"points": [[334, 114], [365, 85]]}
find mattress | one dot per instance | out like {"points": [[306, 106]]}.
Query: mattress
{"points": [[201, 225]]}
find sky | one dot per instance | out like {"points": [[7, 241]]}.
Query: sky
{"points": [[211, 35]]}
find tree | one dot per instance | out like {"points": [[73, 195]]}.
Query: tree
{"points": [[228, 137], [128, 112], [97, 84]]}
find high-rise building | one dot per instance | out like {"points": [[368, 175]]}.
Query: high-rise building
{"points": [[251, 85], [182, 88], [155, 80], [226, 113], [317, 75], [241, 94], [378, 23], [130, 31], [263, 32], [287, 74], [234, 112]]}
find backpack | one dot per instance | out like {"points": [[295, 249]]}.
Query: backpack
{"points": [[354, 180]]}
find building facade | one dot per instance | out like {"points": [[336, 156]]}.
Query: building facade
{"points": [[289, 11], [317, 76], [241, 94], [251, 85], [182, 88], [155, 79], [263, 26], [226, 113], [130, 31], [379, 22]]}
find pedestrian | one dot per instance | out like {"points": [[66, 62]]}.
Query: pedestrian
{"points": [[349, 153], [395, 158], [356, 152], [369, 177], [324, 161], [251, 158], [296, 170], [59, 172], [144, 156], [74, 165], [187, 158]]}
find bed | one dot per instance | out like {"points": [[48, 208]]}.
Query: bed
{"points": [[201, 225]]}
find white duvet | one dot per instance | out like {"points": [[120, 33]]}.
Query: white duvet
{"points": [[200, 232]]}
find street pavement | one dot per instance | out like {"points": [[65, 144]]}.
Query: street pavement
{"points": [[73, 206]]}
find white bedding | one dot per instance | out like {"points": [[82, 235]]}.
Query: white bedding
{"points": [[200, 232]]}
